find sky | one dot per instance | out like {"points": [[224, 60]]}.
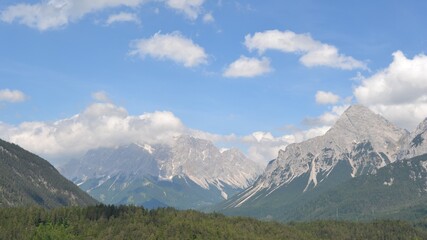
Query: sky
{"points": [[257, 75]]}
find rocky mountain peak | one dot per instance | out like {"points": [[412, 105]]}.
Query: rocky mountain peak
{"points": [[359, 124], [186, 158], [360, 142], [361, 121], [204, 164]]}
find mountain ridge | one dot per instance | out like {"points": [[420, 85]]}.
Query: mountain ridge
{"points": [[27, 179], [361, 148], [136, 173], [364, 140]]}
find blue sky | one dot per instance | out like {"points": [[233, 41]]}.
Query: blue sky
{"points": [[59, 57]]}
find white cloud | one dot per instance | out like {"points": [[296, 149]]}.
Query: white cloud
{"points": [[398, 92], [101, 124], [248, 67], [107, 125], [403, 81], [326, 98], [263, 146], [191, 8], [101, 96], [8, 95], [208, 18], [51, 14], [123, 17], [54, 14], [314, 53], [171, 46]]}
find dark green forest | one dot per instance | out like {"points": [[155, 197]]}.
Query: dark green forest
{"points": [[129, 222], [27, 179]]}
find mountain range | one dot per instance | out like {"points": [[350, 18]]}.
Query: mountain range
{"points": [[26, 179], [361, 161], [190, 173], [364, 167]]}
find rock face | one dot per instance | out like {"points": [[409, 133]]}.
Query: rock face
{"points": [[359, 143], [26, 179], [191, 173], [415, 144], [204, 164], [398, 191]]}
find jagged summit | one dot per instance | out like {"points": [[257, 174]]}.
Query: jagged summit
{"points": [[356, 117], [188, 173], [388, 166], [358, 123], [203, 163], [359, 119]]}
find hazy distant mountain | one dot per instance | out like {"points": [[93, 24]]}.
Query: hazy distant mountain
{"points": [[314, 178], [191, 173], [26, 179]]}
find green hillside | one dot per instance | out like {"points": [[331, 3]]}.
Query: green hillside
{"points": [[26, 179]]}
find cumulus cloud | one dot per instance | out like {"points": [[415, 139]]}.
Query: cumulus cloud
{"points": [[248, 67], [398, 92], [403, 81], [54, 14], [105, 124], [123, 17], [99, 125], [326, 98], [314, 53], [51, 14], [171, 46], [7, 95], [191, 8], [263, 146]]}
